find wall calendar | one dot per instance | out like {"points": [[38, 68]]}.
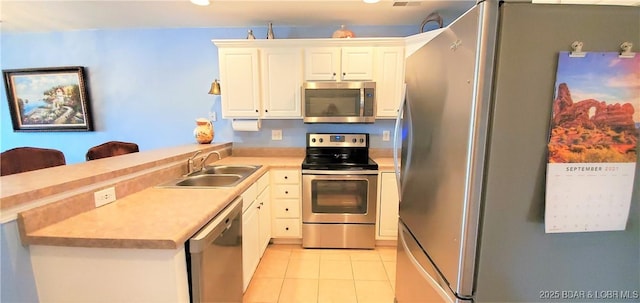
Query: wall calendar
{"points": [[593, 143]]}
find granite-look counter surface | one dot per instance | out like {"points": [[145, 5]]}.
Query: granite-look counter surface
{"points": [[156, 217], [160, 218]]}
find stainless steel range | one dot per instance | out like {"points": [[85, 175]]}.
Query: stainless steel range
{"points": [[339, 192]]}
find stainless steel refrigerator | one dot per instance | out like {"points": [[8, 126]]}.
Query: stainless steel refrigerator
{"points": [[472, 175]]}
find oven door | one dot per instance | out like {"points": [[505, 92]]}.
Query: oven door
{"points": [[339, 196]]}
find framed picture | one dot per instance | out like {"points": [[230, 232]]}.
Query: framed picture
{"points": [[48, 99]]}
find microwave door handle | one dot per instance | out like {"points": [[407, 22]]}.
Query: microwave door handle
{"points": [[361, 102]]}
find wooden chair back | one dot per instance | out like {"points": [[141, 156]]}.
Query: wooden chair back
{"points": [[23, 159], [110, 149]]}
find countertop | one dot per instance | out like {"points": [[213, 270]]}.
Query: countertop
{"points": [[157, 218]]}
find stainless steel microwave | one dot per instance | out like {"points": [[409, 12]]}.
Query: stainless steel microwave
{"points": [[339, 102]]}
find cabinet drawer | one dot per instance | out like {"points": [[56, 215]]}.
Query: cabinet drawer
{"points": [[285, 176], [286, 191], [286, 228], [286, 208]]}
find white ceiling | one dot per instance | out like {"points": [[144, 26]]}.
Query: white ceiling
{"points": [[53, 15]]}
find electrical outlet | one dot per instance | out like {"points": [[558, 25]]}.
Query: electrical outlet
{"points": [[386, 135], [213, 117], [276, 134], [104, 196]]}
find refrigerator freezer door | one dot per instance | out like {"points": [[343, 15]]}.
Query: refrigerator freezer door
{"points": [[414, 272], [446, 122]]}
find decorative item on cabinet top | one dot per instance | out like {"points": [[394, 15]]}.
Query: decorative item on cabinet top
{"points": [[270, 34], [250, 35], [343, 32]]}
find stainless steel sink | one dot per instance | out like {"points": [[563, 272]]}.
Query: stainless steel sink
{"points": [[228, 169], [210, 180], [214, 176]]}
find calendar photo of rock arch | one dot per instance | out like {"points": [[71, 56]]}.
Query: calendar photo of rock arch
{"points": [[596, 110], [593, 143]]}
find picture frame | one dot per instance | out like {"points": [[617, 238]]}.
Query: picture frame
{"points": [[48, 99]]}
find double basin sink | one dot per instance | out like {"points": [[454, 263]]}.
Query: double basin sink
{"points": [[214, 176]]}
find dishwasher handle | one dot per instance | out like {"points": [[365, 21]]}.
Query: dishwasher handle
{"points": [[216, 227]]}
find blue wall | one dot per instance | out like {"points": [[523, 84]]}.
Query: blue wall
{"points": [[148, 86]]}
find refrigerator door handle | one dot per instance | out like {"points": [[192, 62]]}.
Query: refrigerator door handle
{"points": [[436, 286], [396, 135]]}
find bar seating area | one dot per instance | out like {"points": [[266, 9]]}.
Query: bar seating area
{"points": [[27, 158]]}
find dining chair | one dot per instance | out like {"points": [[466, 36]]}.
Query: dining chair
{"points": [[110, 149], [23, 159]]}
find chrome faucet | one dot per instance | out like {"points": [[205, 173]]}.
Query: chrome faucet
{"points": [[204, 161], [191, 166]]}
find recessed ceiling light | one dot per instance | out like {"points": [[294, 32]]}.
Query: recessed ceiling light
{"points": [[371, 1], [200, 2]]}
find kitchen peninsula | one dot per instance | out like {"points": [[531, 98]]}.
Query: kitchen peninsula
{"points": [[131, 249]]}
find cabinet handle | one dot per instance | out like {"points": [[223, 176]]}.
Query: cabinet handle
{"points": [[266, 110], [261, 203], [344, 74], [334, 74], [257, 111], [286, 209], [258, 207], [286, 228], [286, 192], [285, 177]]}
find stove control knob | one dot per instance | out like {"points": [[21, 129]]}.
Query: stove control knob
{"points": [[321, 140], [313, 140], [361, 140], [354, 140]]}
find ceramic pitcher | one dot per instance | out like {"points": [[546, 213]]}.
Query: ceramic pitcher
{"points": [[204, 131]]}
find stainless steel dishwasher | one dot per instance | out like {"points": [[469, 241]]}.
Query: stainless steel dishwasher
{"points": [[215, 258]]}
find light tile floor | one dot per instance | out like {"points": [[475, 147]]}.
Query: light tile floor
{"points": [[292, 274]]}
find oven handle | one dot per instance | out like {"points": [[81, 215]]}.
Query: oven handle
{"points": [[338, 172]]}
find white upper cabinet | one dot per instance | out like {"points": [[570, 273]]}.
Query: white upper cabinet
{"points": [[262, 78], [389, 78], [321, 63], [338, 63], [281, 74], [357, 63], [239, 82]]}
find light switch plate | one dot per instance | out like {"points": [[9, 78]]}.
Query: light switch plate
{"points": [[386, 135], [213, 117], [104, 196], [276, 134]]}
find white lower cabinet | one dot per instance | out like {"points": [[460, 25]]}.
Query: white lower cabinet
{"points": [[387, 228], [286, 202], [105, 275], [250, 251], [256, 227], [264, 215]]}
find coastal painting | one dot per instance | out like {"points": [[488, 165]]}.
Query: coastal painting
{"points": [[596, 109], [48, 99]]}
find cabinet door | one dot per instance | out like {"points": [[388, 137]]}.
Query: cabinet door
{"points": [[389, 78], [281, 82], [388, 217], [321, 63], [357, 63], [250, 250], [239, 82], [264, 213]]}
